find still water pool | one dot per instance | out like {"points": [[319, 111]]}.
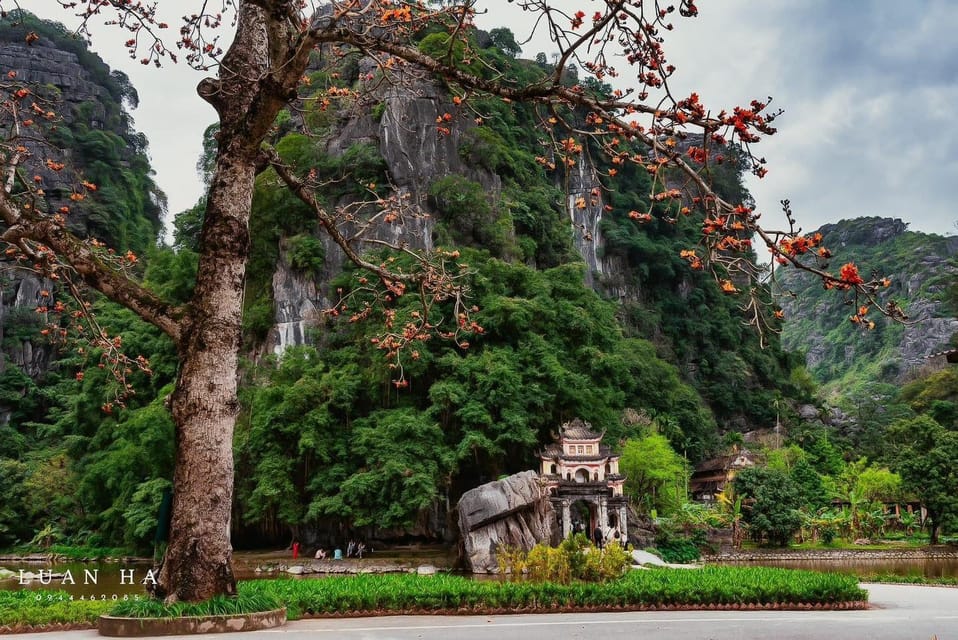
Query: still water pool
{"points": [[89, 580]]}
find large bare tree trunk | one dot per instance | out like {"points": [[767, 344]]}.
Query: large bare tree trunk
{"points": [[197, 564]]}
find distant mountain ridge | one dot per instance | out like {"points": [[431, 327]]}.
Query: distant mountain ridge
{"points": [[924, 275]]}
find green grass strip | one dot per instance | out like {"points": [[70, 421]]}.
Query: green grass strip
{"points": [[247, 602], [48, 607], [909, 579], [393, 593], [710, 585]]}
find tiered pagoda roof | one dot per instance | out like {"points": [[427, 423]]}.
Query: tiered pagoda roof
{"points": [[578, 429]]}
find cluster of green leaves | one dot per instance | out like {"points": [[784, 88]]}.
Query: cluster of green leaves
{"points": [[466, 214], [126, 208], [324, 433], [691, 320], [709, 585], [656, 476], [772, 504], [677, 547], [245, 602], [88, 476], [792, 494], [925, 454], [575, 559], [35, 608]]}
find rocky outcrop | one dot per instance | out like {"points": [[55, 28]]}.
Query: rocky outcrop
{"points": [[42, 64], [85, 95], [70, 90], [404, 132], [864, 232], [514, 512], [21, 293], [402, 126], [920, 267]]}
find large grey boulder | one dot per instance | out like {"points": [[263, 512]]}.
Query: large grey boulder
{"points": [[514, 511]]}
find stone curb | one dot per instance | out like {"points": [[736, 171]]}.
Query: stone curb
{"points": [[837, 554], [144, 627], [467, 611]]}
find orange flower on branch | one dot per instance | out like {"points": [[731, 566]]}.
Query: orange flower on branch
{"points": [[849, 274], [694, 261]]}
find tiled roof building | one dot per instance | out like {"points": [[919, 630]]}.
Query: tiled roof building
{"points": [[580, 470]]}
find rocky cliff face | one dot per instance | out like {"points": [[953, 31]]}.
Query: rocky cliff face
{"points": [[405, 133], [921, 268], [59, 77], [43, 64], [86, 96], [415, 156], [57, 72]]}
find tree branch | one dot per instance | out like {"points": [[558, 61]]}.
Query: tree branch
{"points": [[301, 191], [82, 258]]}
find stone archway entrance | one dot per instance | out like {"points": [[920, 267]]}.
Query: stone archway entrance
{"points": [[584, 515]]}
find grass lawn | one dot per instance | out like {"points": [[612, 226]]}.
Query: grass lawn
{"points": [[392, 593]]}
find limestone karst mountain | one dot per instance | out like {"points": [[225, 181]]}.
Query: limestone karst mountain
{"points": [[924, 278]]}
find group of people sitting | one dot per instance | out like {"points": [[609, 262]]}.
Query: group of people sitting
{"points": [[355, 549]]}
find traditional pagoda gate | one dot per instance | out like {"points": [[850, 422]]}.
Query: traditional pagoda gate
{"points": [[583, 477]]}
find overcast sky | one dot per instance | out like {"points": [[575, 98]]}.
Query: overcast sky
{"points": [[868, 86]]}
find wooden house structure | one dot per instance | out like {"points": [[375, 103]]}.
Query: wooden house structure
{"points": [[712, 476]]}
